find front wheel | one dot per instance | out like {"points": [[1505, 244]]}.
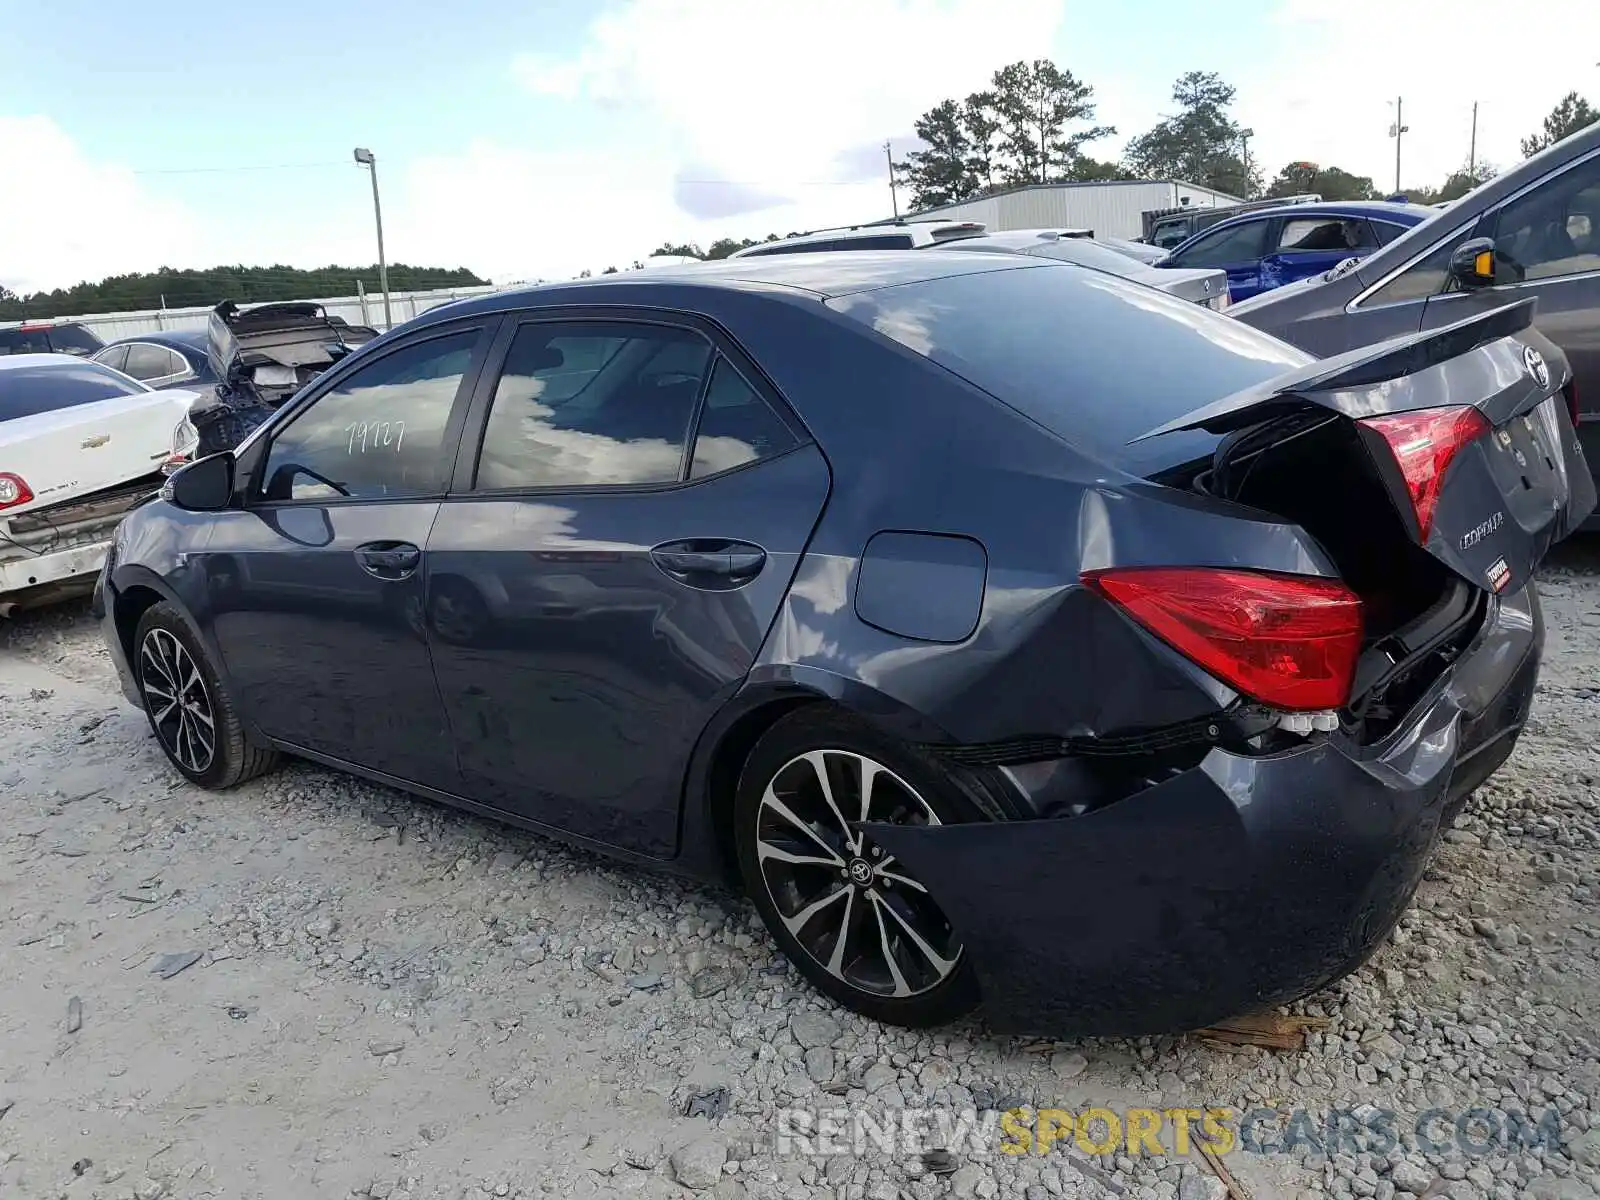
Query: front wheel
{"points": [[858, 925], [190, 709]]}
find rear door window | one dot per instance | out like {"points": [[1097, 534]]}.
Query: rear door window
{"points": [[148, 361], [593, 404], [1326, 234]]}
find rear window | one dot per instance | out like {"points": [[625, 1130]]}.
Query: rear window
{"points": [[1092, 358], [43, 339], [28, 391], [73, 339]]}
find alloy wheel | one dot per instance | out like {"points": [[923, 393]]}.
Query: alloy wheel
{"points": [[179, 705], [854, 909]]}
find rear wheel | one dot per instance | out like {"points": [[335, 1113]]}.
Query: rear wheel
{"points": [[858, 925], [190, 709]]}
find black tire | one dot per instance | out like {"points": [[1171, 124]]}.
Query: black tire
{"points": [[777, 760], [163, 647]]}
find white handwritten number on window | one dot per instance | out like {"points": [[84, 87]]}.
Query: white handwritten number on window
{"points": [[375, 435]]}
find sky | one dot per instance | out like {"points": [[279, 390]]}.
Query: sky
{"points": [[531, 139]]}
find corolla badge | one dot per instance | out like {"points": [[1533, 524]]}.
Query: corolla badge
{"points": [[1482, 530], [1535, 363]]}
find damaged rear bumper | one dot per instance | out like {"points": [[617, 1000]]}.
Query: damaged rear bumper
{"points": [[1238, 885]]}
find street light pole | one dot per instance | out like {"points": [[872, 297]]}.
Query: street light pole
{"points": [[894, 196], [366, 158], [1397, 131]]}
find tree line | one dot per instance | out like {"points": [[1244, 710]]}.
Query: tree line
{"points": [[1032, 124], [1035, 120], [169, 288]]}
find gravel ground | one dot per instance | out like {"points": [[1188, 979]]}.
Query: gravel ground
{"points": [[316, 987]]}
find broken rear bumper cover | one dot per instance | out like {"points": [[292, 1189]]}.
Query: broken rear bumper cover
{"points": [[1232, 887]]}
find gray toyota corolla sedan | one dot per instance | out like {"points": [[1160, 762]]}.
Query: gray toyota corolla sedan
{"points": [[1011, 632]]}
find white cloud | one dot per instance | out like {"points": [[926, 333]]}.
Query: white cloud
{"points": [[741, 118], [1330, 71], [65, 218], [767, 116]]}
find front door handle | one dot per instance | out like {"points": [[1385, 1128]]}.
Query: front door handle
{"points": [[388, 560], [715, 562]]}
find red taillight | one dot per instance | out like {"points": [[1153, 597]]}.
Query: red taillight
{"points": [[1290, 641], [1423, 444], [14, 490]]}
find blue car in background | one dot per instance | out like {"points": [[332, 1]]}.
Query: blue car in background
{"points": [[1270, 247]]}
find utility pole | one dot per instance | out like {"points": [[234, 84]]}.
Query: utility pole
{"points": [[368, 159], [1398, 130], [1244, 136], [894, 196], [1472, 152]]}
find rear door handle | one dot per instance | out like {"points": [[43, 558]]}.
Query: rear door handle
{"points": [[388, 560], [718, 561]]}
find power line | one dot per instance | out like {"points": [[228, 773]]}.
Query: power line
{"points": [[229, 170], [307, 166]]}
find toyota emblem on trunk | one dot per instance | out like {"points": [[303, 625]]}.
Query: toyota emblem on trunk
{"points": [[1534, 361]]}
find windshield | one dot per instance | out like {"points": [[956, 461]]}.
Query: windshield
{"points": [[1092, 358]]}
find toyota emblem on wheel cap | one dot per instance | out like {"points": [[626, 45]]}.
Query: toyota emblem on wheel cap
{"points": [[1534, 361]]}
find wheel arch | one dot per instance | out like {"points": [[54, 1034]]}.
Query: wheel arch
{"points": [[134, 591], [706, 834]]}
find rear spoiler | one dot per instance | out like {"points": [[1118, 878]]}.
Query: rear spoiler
{"points": [[1363, 367]]}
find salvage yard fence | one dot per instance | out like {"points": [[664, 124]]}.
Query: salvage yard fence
{"points": [[365, 308]]}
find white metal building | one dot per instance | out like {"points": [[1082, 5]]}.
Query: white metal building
{"points": [[1111, 209]]}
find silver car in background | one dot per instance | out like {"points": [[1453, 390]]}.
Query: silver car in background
{"points": [[1208, 286]]}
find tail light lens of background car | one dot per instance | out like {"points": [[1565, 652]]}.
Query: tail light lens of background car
{"points": [[1424, 444], [14, 490], [1289, 641]]}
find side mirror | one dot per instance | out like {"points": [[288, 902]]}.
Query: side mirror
{"points": [[1472, 263], [203, 486]]}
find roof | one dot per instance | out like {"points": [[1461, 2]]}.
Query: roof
{"points": [[820, 276], [191, 339], [1406, 214], [1061, 186], [10, 361], [1356, 208]]}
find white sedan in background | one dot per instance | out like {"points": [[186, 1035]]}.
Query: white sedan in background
{"points": [[80, 444]]}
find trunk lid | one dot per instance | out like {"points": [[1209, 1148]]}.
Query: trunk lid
{"points": [[274, 349], [1517, 483], [1199, 285], [74, 451]]}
